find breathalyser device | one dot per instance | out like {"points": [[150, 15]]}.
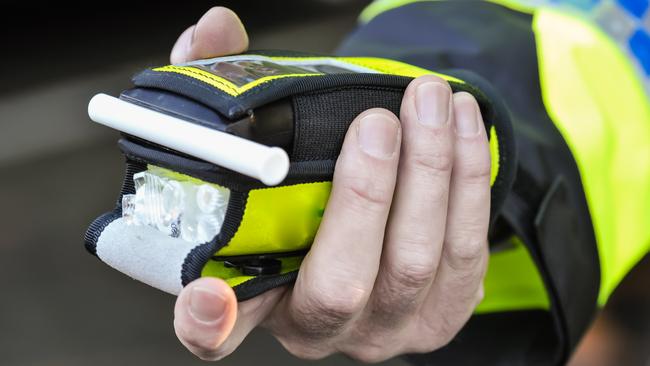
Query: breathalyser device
{"points": [[229, 161]]}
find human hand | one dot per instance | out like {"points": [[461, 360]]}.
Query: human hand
{"points": [[398, 261]]}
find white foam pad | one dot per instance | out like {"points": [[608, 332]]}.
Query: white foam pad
{"points": [[145, 254]]}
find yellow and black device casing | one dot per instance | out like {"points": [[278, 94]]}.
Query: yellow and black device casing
{"points": [[302, 103]]}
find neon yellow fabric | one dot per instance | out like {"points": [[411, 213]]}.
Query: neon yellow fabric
{"points": [[395, 67], [592, 94], [494, 155], [380, 6], [279, 219], [234, 277], [513, 282]]}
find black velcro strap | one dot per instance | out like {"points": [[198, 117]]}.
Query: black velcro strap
{"points": [[322, 118]]}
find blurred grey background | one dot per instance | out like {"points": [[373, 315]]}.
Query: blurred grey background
{"points": [[59, 305]]}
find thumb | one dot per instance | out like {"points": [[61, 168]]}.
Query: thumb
{"points": [[204, 316], [211, 324], [219, 32]]}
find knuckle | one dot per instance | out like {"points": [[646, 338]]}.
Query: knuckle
{"points": [[413, 275], [478, 172], [476, 169], [325, 314], [364, 192], [342, 305], [415, 245], [461, 255], [436, 162]]}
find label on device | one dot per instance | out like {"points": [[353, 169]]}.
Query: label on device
{"points": [[250, 69]]}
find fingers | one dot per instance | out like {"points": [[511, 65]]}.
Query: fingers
{"points": [[219, 32], [418, 216], [207, 319], [457, 288], [337, 276], [469, 208]]}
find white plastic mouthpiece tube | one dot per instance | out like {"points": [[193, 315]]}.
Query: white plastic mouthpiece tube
{"points": [[268, 164]]}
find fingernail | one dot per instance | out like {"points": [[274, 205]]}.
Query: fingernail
{"points": [[467, 121], [206, 305], [432, 103], [377, 135]]}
